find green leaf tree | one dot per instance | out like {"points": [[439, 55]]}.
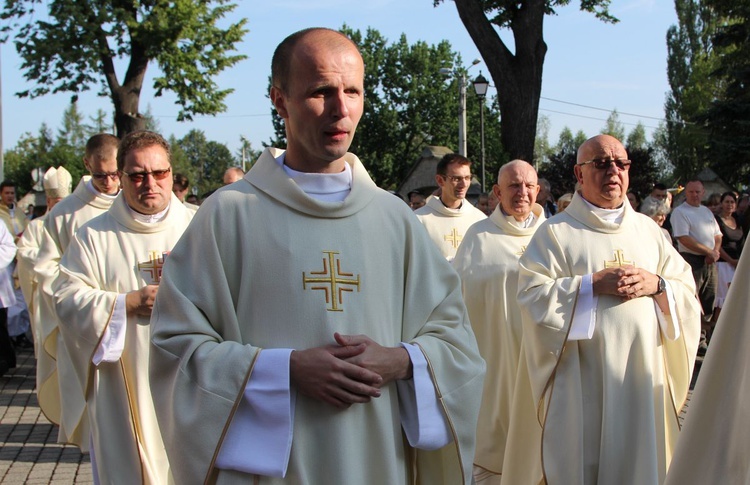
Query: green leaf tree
{"points": [[207, 160], [74, 45], [517, 74], [614, 126]]}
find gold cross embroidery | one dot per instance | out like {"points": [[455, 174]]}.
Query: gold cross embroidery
{"points": [[154, 265], [618, 261], [523, 249], [331, 280], [454, 238]]}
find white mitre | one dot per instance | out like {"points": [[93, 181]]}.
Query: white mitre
{"points": [[57, 182]]}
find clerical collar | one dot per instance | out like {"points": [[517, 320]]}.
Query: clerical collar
{"points": [[608, 215], [92, 189], [148, 218], [326, 187], [528, 222], [451, 208]]}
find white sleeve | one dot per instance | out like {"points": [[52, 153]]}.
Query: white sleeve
{"points": [[259, 438], [668, 323], [584, 313], [422, 417], [113, 341]]}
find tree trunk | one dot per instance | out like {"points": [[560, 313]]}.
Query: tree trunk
{"points": [[517, 77]]}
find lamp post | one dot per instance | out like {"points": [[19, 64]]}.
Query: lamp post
{"points": [[480, 87], [461, 75]]}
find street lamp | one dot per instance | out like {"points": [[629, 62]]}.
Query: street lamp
{"points": [[461, 75], [480, 87]]}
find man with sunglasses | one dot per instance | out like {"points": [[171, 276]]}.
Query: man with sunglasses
{"points": [[93, 196], [109, 277], [447, 216], [610, 331]]}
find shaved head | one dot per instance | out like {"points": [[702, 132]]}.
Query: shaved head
{"points": [[602, 182], [517, 188]]}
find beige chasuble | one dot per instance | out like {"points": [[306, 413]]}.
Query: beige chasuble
{"points": [[264, 265], [15, 222], [111, 255], [28, 252], [714, 446], [447, 227], [600, 410], [63, 406], [487, 263]]}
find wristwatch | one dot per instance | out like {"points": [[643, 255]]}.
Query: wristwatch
{"points": [[662, 286]]}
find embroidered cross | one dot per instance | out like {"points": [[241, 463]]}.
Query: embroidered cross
{"points": [[454, 238], [154, 265], [332, 281], [523, 249], [618, 261]]}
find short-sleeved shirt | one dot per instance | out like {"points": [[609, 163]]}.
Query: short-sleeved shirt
{"points": [[696, 222]]}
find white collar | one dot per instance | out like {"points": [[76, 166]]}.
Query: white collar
{"points": [[608, 215], [528, 222], [148, 218], [92, 189], [327, 187]]}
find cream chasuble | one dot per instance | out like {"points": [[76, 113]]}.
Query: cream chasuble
{"points": [[14, 219], [487, 263], [28, 252], [714, 446], [109, 256], [607, 405], [447, 227], [62, 406], [279, 269]]}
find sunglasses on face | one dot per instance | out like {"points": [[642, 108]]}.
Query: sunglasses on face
{"points": [[105, 175], [138, 177], [604, 163]]}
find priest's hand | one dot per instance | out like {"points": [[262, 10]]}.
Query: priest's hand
{"points": [[323, 373], [625, 281], [391, 363], [141, 302]]}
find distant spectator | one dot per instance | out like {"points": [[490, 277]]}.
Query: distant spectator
{"points": [[659, 191], [732, 237], [232, 175], [192, 199], [564, 201], [483, 203], [180, 185], [657, 210], [545, 198], [714, 202], [416, 199], [635, 201]]}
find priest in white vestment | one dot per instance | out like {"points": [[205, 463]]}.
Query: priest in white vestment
{"points": [[57, 183], [487, 262], [306, 330], [714, 445], [60, 397], [448, 215], [610, 333], [108, 279]]}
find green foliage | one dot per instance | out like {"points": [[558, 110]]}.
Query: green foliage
{"points": [[614, 126], [409, 105], [727, 118], [206, 160], [74, 45], [558, 170]]}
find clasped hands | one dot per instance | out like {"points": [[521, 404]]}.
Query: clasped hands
{"points": [[627, 282], [351, 371]]}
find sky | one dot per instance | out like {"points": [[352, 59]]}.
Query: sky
{"points": [[590, 69]]}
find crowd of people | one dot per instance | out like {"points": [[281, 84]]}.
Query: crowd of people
{"points": [[301, 325]]}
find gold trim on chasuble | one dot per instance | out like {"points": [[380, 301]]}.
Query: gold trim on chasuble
{"points": [[332, 279], [454, 238], [152, 268], [619, 260]]}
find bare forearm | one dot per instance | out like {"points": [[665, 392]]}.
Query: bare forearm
{"points": [[692, 245]]}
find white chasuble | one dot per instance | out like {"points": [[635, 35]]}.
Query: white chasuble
{"points": [[487, 263], [28, 252], [604, 409], [111, 255], [447, 227], [64, 406], [714, 445], [265, 266]]}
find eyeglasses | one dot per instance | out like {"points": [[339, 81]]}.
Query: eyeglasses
{"points": [[137, 177], [604, 163], [457, 178], [105, 175]]}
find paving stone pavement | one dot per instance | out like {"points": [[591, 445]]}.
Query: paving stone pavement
{"points": [[30, 453]]}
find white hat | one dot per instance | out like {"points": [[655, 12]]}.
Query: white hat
{"points": [[57, 182]]}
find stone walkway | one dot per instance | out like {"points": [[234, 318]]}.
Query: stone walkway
{"points": [[30, 454]]}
